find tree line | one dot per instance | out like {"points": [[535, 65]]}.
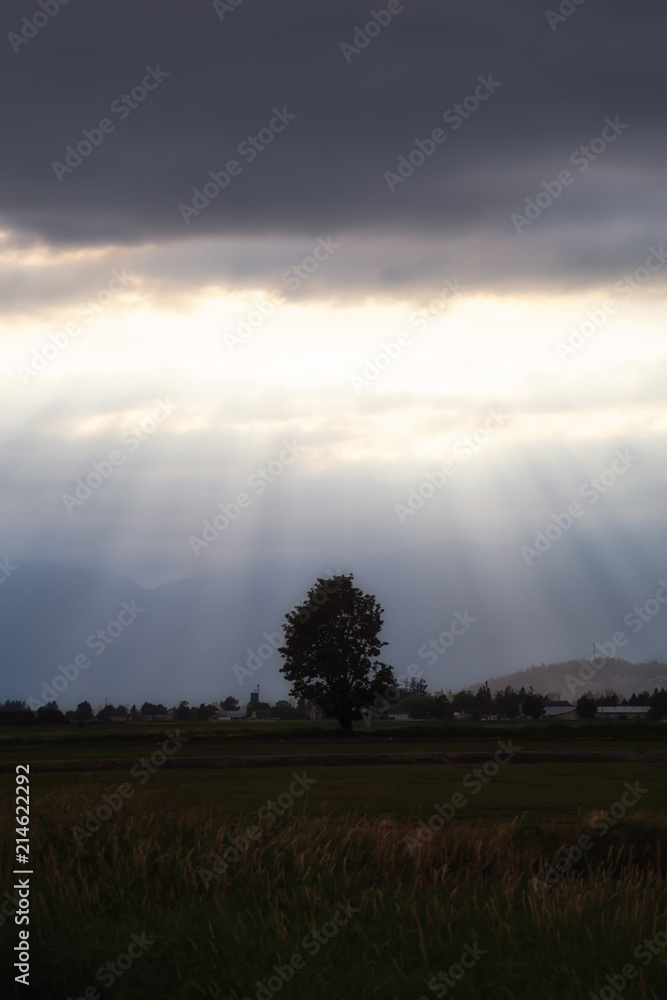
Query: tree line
{"points": [[413, 700]]}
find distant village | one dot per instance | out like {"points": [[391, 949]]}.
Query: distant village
{"points": [[412, 703]]}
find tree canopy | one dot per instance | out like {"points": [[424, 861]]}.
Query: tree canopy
{"points": [[331, 644]]}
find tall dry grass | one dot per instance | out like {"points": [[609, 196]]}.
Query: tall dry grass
{"points": [[470, 883]]}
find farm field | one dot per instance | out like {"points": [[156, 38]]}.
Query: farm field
{"points": [[252, 738], [220, 889]]}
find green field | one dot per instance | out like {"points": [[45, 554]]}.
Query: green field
{"points": [[354, 842], [249, 738]]}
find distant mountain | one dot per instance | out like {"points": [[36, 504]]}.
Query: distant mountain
{"points": [[572, 678]]}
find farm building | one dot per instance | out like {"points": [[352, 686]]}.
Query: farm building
{"points": [[559, 710], [621, 711]]}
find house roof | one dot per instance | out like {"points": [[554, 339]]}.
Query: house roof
{"points": [[623, 709]]}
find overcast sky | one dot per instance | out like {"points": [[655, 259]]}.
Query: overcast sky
{"points": [[373, 254]]}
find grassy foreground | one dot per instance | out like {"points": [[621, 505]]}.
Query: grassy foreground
{"points": [[406, 911]]}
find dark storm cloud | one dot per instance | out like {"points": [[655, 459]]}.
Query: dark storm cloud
{"points": [[324, 171]]}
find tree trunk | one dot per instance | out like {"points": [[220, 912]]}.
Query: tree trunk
{"points": [[345, 723]]}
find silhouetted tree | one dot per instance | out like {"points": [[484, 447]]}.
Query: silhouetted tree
{"points": [[484, 699], [231, 704], [658, 703], [205, 711], [104, 715], [252, 705], [442, 708], [330, 656], [148, 708], [533, 705], [586, 707], [417, 706], [83, 711], [464, 701], [507, 703], [283, 710], [50, 714]]}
